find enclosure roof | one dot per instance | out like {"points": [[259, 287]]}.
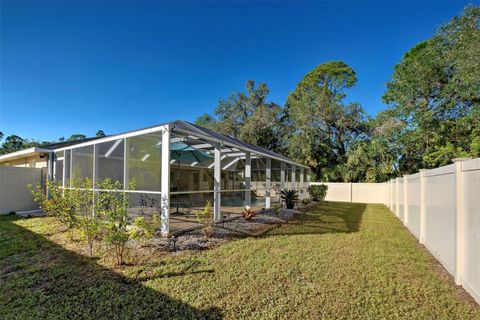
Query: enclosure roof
{"points": [[185, 128], [195, 129]]}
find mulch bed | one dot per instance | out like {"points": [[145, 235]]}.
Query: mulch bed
{"points": [[227, 231]]}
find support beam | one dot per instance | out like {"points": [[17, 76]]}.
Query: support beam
{"points": [[282, 176], [248, 179], [294, 182], [302, 189], [268, 183], [309, 172], [213, 163], [231, 163], [217, 175], [71, 168], [165, 182], [95, 165], [126, 156], [94, 176], [50, 171], [64, 178]]}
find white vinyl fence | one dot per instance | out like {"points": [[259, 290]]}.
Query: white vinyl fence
{"points": [[14, 194], [440, 207], [355, 192]]}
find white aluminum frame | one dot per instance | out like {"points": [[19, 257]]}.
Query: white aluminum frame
{"points": [[221, 150]]}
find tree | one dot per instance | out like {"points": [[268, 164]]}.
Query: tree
{"points": [[323, 128], [434, 96], [100, 133], [14, 143], [77, 136], [248, 117]]}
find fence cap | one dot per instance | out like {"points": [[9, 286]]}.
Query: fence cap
{"points": [[461, 159]]}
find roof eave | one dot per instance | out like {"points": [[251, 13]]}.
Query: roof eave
{"points": [[23, 153]]}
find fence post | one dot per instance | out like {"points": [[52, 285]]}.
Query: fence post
{"points": [[392, 194], [351, 192], [405, 201], [460, 220], [397, 205], [423, 206], [387, 193]]}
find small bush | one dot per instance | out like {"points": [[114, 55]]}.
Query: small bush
{"points": [[114, 207], [91, 230], [307, 201], [60, 203], [248, 213], [277, 209], [205, 218], [144, 228], [88, 218], [289, 197], [318, 192]]}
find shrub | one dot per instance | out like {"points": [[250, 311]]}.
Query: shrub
{"points": [[113, 207], [290, 197], [205, 218], [60, 203], [91, 230], [248, 213], [306, 201], [318, 192], [87, 215], [277, 209], [144, 228]]}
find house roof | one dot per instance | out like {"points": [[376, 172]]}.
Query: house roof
{"points": [[23, 153], [43, 148], [62, 144]]}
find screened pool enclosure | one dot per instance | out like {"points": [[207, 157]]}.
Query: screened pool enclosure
{"points": [[177, 167]]}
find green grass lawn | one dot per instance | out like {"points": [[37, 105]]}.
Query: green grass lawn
{"points": [[338, 261]]}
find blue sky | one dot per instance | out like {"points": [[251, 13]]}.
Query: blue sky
{"points": [[76, 67]]}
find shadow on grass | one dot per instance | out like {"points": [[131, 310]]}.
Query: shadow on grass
{"points": [[39, 279], [326, 217]]}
